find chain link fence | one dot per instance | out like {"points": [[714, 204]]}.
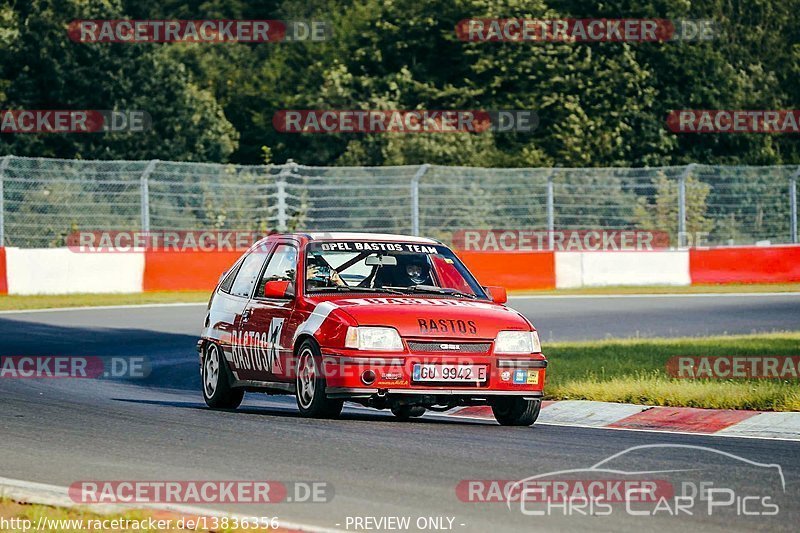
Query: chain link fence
{"points": [[44, 200]]}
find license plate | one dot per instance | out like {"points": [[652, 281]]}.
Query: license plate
{"points": [[449, 373]]}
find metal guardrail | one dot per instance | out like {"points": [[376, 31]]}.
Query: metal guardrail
{"points": [[43, 200]]}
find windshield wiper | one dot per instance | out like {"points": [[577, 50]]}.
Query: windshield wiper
{"points": [[432, 289], [350, 288]]}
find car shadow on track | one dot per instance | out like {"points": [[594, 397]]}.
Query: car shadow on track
{"points": [[171, 357], [290, 412]]}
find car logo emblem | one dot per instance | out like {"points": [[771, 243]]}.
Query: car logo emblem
{"points": [[450, 346]]}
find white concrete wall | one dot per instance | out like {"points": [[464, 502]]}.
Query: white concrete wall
{"points": [[569, 270], [598, 269], [63, 271]]}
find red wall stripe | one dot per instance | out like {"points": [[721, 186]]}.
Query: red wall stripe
{"points": [[3, 275], [185, 271], [774, 264], [513, 270]]}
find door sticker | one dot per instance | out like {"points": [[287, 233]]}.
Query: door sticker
{"points": [[274, 345], [252, 350]]}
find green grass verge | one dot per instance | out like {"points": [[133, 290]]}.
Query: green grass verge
{"points": [[82, 300], [662, 289], [634, 371]]}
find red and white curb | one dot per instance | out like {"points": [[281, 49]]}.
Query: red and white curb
{"points": [[718, 422]]}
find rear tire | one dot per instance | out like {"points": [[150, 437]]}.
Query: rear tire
{"points": [[512, 411], [405, 412], [310, 385], [217, 379]]}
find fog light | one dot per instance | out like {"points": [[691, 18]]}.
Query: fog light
{"points": [[368, 377]]}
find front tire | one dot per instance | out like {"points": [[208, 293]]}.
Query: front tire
{"points": [[310, 385], [217, 379], [511, 411]]}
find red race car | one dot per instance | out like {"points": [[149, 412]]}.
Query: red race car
{"points": [[386, 321]]}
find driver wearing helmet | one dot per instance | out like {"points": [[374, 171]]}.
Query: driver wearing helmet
{"points": [[320, 274], [418, 272]]}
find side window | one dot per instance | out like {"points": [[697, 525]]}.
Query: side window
{"points": [[248, 272], [227, 283], [282, 266]]}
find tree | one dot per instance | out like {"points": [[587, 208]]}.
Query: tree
{"points": [[44, 69]]}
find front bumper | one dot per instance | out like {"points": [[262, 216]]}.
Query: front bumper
{"points": [[363, 392], [393, 374]]}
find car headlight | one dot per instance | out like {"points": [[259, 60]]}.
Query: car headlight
{"points": [[508, 342], [372, 338]]}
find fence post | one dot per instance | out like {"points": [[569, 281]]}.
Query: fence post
{"points": [[415, 198], [551, 213], [682, 204], [282, 205], [144, 190], [3, 166], [793, 204]]}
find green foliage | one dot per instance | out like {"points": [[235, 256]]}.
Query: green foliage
{"points": [[635, 371], [43, 69], [599, 104], [662, 212]]}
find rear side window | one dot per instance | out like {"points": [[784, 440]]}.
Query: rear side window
{"points": [[248, 273], [227, 283]]}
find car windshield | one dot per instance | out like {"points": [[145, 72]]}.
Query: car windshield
{"points": [[388, 267]]}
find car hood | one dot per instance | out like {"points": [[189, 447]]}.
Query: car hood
{"points": [[433, 317]]}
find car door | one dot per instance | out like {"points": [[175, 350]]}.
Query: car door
{"points": [[232, 304], [266, 318]]}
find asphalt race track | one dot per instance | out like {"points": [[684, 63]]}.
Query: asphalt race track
{"points": [[62, 431]]}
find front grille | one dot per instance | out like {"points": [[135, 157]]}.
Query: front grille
{"points": [[450, 347]]}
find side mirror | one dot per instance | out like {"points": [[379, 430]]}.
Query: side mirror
{"points": [[280, 289], [497, 294]]}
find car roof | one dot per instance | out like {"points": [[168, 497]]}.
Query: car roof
{"points": [[347, 236], [363, 236]]}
